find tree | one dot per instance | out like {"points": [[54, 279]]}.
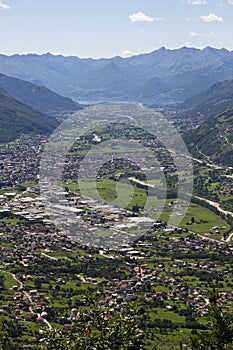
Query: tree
{"points": [[98, 330], [220, 335], [4, 337], [37, 283], [2, 279]]}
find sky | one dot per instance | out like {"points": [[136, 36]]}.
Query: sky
{"points": [[106, 28]]}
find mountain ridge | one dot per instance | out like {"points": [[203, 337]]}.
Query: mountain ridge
{"points": [[212, 101], [17, 118], [72, 76], [37, 97]]}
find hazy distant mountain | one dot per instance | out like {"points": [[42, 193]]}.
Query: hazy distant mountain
{"points": [[213, 139], [151, 88], [108, 81], [210, 102], [164, 75], [38, 97], [17, 118]]}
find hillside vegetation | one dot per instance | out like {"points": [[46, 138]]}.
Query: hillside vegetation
{"points": [[213, 139], [38, 97], [17, 118], [210, 102]]}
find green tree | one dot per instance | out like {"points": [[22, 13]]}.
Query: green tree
{"points": [[2, 282], [220, 333], [4, 337], [37, 283], [98, 330]]}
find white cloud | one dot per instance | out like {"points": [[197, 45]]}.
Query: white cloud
{"points": [[4, 6], [127, 53], [196, 2], [205, 35], [230, 2], [211, 35], [140, 17], [211, 18], [194, 34]]}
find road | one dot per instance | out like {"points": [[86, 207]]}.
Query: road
{"points": [[15, 278], [225, 212], [229, 238], [141, 182], [53, 258], [207, 238], [210, 165], [216, 205], [48, 256], [82, 278], [21, 287]]}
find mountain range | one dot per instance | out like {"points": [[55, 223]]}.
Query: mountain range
{"points": [[162, 76]]}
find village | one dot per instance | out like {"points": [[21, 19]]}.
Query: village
{"points": [[155, 271]]}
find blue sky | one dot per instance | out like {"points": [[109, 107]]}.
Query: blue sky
{"points": [[105, 28]]}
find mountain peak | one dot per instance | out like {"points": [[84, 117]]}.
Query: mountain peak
{"points": [[210, 49], [162, 48], [186, 48]]}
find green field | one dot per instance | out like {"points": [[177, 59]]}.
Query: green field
{"points": [[199, 213], [109, 191], [9, 281]]}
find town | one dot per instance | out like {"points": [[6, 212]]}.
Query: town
{"points": [[48, 270]]}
